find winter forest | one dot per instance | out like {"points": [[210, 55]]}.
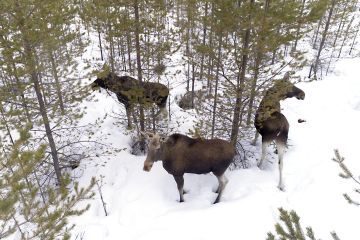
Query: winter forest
{"points": [[90, 89]]}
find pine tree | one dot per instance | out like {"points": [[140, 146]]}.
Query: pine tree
{"points": [[39, 69], [41, 213], [293, 229]]}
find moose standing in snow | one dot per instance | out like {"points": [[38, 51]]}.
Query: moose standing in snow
{"points": [[130, 91], [271, 123], [181, 154]]}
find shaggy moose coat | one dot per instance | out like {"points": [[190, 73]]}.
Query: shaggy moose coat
{"points": [[130, 91], [271, 123], [181, 154]]}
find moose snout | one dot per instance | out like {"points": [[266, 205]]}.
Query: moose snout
{"points": [[94, 86], [301, 96], [147, 166]]}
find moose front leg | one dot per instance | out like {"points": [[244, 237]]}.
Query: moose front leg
{"points": [[222, 183], [180, 185]]}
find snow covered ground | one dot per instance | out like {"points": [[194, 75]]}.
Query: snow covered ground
{"points": [[144, 205]]}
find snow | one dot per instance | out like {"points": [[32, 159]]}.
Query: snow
{"points": [[144, 205]]}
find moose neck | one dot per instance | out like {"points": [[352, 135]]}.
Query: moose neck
{"points": [[271, 101]]}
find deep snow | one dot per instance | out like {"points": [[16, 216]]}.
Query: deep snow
{"points": [[145, 205]]}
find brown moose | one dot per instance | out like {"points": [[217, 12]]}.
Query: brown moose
{"points": [[181, 154], [271, 123], [130, 91]]}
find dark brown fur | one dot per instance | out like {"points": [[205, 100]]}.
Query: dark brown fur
{"points": [[130, 91], [271, 123], [181, 154]]}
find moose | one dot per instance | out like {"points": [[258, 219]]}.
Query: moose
{"points": [[181, 154], [271, 123], [130, 91]]}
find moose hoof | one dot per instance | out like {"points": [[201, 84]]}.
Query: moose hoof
{"points": [[216, 201], [281, 187]]}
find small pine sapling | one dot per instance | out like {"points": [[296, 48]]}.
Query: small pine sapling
{"points": [[291, 228], [347, 174]]}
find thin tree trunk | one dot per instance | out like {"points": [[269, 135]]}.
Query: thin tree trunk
{"points": [[129, 49], [100, 42], [259, 55], [193, 85], [327, 25], [317, 33], [345, 37], [338, 32], [34, 79], [240, 87], [188, 60], [216, 86], [299, 25], [57, 83], [139, 70], [353, 43], [203, 43], [111, 42]]}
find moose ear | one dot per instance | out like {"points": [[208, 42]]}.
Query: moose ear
{"points": [[162, 139]]}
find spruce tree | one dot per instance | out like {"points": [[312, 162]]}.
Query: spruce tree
{"points": [[29, 209], [40, 72]]}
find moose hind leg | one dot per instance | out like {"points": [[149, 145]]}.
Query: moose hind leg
{"points": [[264, 146], [222, 183], [180, 185], [281, 145]]}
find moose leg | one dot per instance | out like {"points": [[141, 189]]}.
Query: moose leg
{"points": [[222, 183], [255, 138], [180, 185], [264, 146], [281, 149], [161, 103], [161, 113]]}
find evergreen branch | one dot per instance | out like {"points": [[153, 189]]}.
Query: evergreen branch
{"points": [[347, 174]]}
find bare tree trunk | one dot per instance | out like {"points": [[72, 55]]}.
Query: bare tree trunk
{"points": [[100, 43], [216, 86], [353, 43], [345, 37], [193, 85], [333, 2], [315, 38], [203, 43], [111, 50], [129, 49], [188, 60]]}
